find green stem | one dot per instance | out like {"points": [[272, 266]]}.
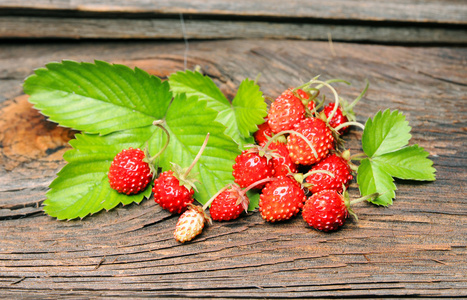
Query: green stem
{"points": [[300, 135], [360, 125], [371, 196], [200, 152], [351, 105], [256, 183], [158, 123], [318, 171], [206, 205], [358, 156]]}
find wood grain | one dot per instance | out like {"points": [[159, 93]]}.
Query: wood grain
{"points": [[428, 11], [114, 28], [416, 247], [389, 22]]}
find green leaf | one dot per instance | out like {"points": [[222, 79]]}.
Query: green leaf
{"points": [[249, 108], [82, 186], [386, 132], [407, 163], [188, 122], [240, 117], [253, 195], [97, 98], [372, 179]]}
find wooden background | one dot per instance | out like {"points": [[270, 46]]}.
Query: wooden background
{"points": [[413, 54]]}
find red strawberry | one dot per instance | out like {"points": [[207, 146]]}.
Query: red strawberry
{"points": [[263, 134], [250, 167], [129, 173], [326, 210], [337, 119], [285, 111], [230, 201], [281, 161], [281, 199], [173, 190], [190, 224], [334, 164], [170, 195], [229, 204], [311, 105], [317, 133]]}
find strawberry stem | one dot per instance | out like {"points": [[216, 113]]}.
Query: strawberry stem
{"points": [[318, 171], [326, 84], [360, 125], [358, 156], [256, 183], [200, 152], [206, 205], [158, 123], [302, 136], [336, 99], [367, 197]]}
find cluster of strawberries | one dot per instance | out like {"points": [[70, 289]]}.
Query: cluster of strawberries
{"points": [[296, 137], [296, 165]]}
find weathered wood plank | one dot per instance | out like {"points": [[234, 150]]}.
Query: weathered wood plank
{"points": [[416, 247], [428, 11], [111, 28]]}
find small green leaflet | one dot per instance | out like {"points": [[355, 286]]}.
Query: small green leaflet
{"points": [[407, 163], [375, 180], [114, 108], [240, 117], [385, 142], [384, 133]]}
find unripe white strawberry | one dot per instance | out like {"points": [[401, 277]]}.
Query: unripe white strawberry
{"points": [[190, 224]]}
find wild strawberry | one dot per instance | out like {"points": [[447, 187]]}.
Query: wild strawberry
{"points": [[285, 111], [281, 161], [229, 204], [281, 199], [337, 166], [326, 210], [173, 190], [170, 195], [190, 224], [130, 172], [309, 132], [230, 201], [250, 167], [263, 134], [337, 119]]}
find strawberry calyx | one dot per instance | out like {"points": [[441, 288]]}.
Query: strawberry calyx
{"points": [[183, 174], [348, 158], [262, 151], [201, 211]]}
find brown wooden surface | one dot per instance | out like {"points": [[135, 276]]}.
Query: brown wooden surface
{"points": [[402, 22], [427, 11], [416, 247]]}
